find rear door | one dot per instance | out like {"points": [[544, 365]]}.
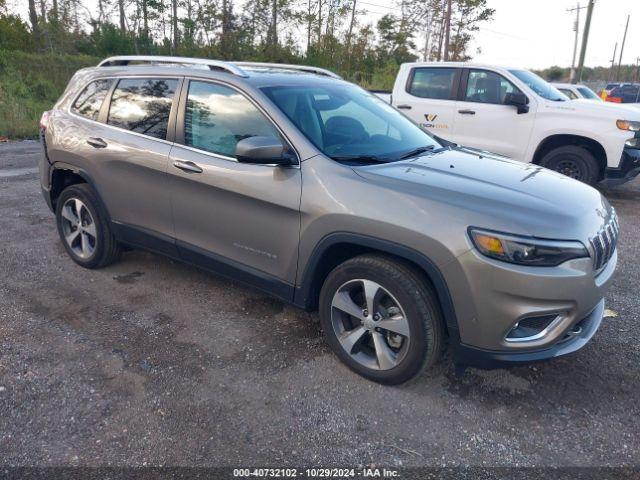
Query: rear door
{"points": [[484, 121], [429, 99], [234, 215], [126, 153]]}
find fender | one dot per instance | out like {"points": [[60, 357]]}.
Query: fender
{"points": [[85, 176], [304, 290]]}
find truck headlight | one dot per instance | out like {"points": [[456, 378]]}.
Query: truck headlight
{"points": [[630, 125], [525, 250]]}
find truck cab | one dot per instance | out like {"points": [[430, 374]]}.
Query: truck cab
{"points": [[515, 113]]}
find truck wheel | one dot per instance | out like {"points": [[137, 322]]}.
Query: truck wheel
{"points": [[381, 319], [84, 229], [574, 162]]}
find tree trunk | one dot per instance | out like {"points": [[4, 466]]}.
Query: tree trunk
{"points": [[274, 28], [308, 26], [319, 24], [145, 20], [225, 41], [447, 31], [35, 28], [174, 21], [349, 35], [55, 10], [123, 27]]}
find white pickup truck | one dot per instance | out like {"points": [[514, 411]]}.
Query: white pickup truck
{"points": [[515, 113]]}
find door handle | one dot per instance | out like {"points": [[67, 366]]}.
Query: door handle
{"points": [[96, 142], [466, 112], [404, 107], [187, 166]]}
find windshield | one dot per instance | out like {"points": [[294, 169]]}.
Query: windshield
{"points": [[540, 86], [588, 93], [349, 124]]}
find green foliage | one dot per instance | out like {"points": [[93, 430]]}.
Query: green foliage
{"points": [[30, 84]]}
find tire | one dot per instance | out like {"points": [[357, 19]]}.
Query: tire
{"points": [[405, 303], [91, 244], [575, 162]]}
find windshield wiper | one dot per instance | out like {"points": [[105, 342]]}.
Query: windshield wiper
{"points": [[417, 151], [360, 158]]}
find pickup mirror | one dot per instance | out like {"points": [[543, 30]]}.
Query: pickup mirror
{"points": [[263, 151], [519, 100]]}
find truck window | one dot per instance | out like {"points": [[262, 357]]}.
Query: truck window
{"points": [[143, 105], [484, 86], [89, 102], [568, 93], [432, 83], [218, 117]]}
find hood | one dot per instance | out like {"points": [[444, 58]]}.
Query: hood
{"points": [[499, 193], [582, 106]]}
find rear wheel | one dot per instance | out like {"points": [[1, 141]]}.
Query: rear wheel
{"points": [[381, 319], [575, 162], [84, 229]]}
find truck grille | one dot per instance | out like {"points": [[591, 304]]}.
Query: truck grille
{"points": [[603, 244]]}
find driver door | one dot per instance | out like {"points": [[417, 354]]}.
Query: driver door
{"points": [[483, 121]]}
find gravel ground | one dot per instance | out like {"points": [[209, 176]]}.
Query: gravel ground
{"points": [[151, 362]]}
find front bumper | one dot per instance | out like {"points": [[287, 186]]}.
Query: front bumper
{"points": [[628, 169], [576, 337]]}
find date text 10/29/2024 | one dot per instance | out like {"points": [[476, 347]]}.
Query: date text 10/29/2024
{"points": [[366, 472]]}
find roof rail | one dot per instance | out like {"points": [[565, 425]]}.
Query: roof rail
{"points": [[155, 59], [287, 66]]}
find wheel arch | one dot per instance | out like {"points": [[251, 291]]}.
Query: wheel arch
{"points": [[561, 140], [64, 175], [336, 248]]}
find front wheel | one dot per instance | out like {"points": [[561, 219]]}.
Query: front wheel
{"points": [[381, 319], [572, 161]]}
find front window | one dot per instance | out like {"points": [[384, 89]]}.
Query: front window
{"points": [[539, 86], [348, 124], [484, 86], [586, 92], [218, 117]]}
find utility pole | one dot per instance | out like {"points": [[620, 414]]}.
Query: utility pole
{"points": [[624, 39], [613, 62], [576, 28], [585, 38], [447, 31]]}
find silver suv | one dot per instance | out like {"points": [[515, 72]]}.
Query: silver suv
{"points": [[313, 190]]}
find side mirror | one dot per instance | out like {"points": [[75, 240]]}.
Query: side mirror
{"points": [[519, 100], [263, 151]]}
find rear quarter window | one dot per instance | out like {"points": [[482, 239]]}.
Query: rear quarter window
{"points": [[143, 105], [90, 100], [434, 83]]}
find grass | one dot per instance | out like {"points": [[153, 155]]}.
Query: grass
{"points": [[30, 84]]}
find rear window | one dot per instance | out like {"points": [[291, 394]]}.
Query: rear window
{"points": [[90, 101], [143, 105], [432, 83]]}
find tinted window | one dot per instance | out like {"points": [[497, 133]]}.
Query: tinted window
{"points": [[349, 124], [539, 86], [218, 117], [432, 82], [487, 87], [588, 93], [143, 105], [568, 93], [90, 100]]}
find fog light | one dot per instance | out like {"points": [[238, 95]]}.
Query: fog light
{"points": [[633, 143], [532, 328]]}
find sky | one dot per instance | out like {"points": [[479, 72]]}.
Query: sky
{"points": [[534, 33]]}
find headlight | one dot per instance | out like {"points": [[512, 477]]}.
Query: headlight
{"points": [[628, 125], [525, 250]]}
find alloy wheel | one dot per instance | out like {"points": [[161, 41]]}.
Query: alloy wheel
{"points": [[79, 228], [370, 324]]}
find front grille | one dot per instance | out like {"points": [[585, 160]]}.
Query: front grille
{"points": [[603, 244]]}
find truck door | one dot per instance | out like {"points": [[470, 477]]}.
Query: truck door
{"points": [[483, 120], [429, 99]]}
